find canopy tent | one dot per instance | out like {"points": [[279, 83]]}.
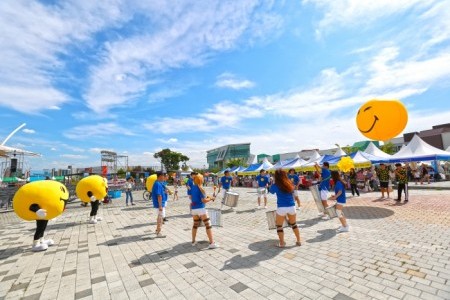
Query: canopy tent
{"points": [[448, 149], [374, 150], [295, 164], [340, 153], [309, 165], [282, 163], [232, 170], [418, 150], [254, 169]]}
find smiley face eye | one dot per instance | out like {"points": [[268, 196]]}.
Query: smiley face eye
{"points": [[358, 112], [62, 189], [368, 108]]}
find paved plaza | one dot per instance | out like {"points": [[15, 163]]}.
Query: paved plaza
{"points": [[393, 251]]}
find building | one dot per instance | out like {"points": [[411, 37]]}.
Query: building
{"points": [[218, 157], [438, 136]]}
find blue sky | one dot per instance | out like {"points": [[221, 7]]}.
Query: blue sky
{"points": [[138, 76]]}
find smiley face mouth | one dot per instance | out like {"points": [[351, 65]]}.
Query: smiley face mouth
{"points": [[64, 200], [371, 127]]}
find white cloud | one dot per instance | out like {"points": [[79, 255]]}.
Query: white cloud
{"points": [[53, 149], [29, 131], [228, 80], [101, 130], [188, 35], [168, 141]]}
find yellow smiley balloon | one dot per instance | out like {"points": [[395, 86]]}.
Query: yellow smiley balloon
{"points": [[49, 195], [381, 120], [93, 183], [150, 181]]}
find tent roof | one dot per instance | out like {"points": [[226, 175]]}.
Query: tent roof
{"points": [[8, 151], [314, 157], [340, 152], [255, 168], [374, 150], [295, 163], [418, 150]]}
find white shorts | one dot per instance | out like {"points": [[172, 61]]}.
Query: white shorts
{"points": [[282, 211], [163, 212], [262, 191], [324, 195], [295, 193], [198, 211]]}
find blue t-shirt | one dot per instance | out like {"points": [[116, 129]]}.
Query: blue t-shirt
{"points": [[226, 182], [339, 186], [263, 181], [158, 190], [190, 183], [197, 196], [283, 199], [294, 179], [325, 183], [165, 195]]}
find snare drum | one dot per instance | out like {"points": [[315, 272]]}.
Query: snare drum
{"points": [[331, 211], [271, 220], [317, 199], [231, 199], [215, 217]]}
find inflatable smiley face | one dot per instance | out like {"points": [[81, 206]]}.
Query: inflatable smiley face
{"points": [[93, 183], [381, 120], [150, 182], [47, 195]]}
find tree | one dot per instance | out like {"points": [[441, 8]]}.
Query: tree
{"points": [[388, 147], [350, 149], [171, 159], [121, 173], [234, 162]]}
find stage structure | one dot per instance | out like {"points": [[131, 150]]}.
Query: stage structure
{"points": [[111, 162]]}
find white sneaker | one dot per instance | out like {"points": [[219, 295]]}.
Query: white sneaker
{"points": [[39, 247], [93, 221], [265, 207], [258, 207], [321, 214], [213, 246], [48, 242], [325, 217], [343, 229], [98, 218], [194, 243]]}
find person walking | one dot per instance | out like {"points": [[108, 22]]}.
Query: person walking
{"points": [[339, 196], [129, 191], [198, 211], [402, 182], [324, 186], [353, 186], [383, 176], [296, 182], [284, 189], [158, 196], [262, 181]]}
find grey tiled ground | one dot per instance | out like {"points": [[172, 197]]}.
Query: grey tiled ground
{"points": [[392, 252]]}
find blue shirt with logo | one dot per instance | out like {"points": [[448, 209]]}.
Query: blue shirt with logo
{"points": [[196, 199], [339, 186], [263, 181], [226, 182], [294, 179], [325, 183], [283, 199], [158, 190]]}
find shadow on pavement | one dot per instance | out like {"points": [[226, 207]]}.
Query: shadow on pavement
{"points": [[366, 212], [265, 250], [325, 235], [246, 211], [133, 208], [8, 252], [308, 223]]}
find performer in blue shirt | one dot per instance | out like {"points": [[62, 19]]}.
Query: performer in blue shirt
{"points": [[263, 182], [284, 189], [190, 184], [296, 182], [339, 190], [198, 211], [324, 186], [159, 198], [225, 183]]}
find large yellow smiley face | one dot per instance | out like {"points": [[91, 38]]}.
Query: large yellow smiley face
{"points": [[47, 194], [93, 183], [381, 120]]}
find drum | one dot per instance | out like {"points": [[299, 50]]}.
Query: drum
{"points": [[215, 217], [331, 211], [231, 199], [271, 220], [316, 195]]}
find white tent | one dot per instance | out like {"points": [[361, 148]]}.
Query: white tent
{"points": [[418, 150], [314, 157], [255, 168], [294, 164], [448, 149], [340, 152], [10, 151], [374, 150]]}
